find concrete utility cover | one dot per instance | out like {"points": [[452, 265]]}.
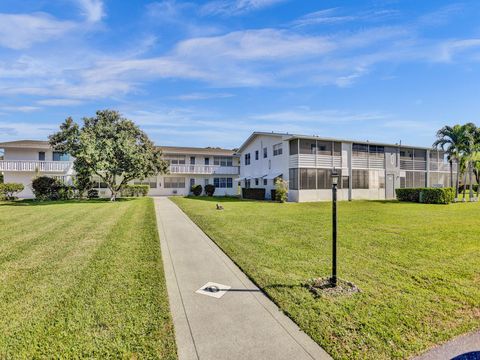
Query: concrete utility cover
{"points": [[213, 289]]}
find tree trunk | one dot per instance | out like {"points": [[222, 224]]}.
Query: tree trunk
{"points": [[451, 173], [464, 186], [470, 170], [457, 182], [113, 196]]}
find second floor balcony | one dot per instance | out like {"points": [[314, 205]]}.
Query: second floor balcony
{"points": [[204, 169], [33, 165]]}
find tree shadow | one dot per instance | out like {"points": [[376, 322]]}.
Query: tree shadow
{"points": [[31, 202]]}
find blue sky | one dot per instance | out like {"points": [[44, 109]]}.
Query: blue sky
{"points": [[208, 73]]}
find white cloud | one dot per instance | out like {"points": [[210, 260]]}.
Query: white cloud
{"points": [[59, 102], [203, 96], [236, 7], [92, 10], [20, 31], [23, 109], [325, 16]]}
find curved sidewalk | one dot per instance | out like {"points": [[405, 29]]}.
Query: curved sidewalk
{"points": [[241, 324]]}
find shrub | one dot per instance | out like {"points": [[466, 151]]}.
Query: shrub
{"points": [[427, 195], [92, 194], [281, 190], [254, 194], [9, 191], [135, 190], [196, 190], [209, 189], [46, 188], [66, 192]]}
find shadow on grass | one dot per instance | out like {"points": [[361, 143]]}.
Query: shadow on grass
{"points": [[221, 199], [31, 202]]}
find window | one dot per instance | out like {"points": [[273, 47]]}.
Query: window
{"points": [[420, 155], [345, 182], [176, 160], [406, 154], [337, 149], [293, 179], [192, 160], [308, 146], [308, 179], [41, 156], [360, 150], [265, 152], [207, 161], [222, 183], [377, 151], [206, 181], [226, 160], [59, 156], [256, 154], [256, 182], [324, 148], [151, 182], [174, 182], [277, 149], [247, 183], [376, 179], [265, 182], [293, 147], [98, 183], [247, 159], [359, 179], [324, 180], [192, 182]]}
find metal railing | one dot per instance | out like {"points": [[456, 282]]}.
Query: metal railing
{"points": [[33, 165], [203, 169]]}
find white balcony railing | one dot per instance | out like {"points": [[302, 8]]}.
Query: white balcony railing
{"points": [[32, 165], [204, 169]]}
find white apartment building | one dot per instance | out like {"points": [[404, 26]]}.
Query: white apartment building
{"points": [[25, 159], [368, 170]]}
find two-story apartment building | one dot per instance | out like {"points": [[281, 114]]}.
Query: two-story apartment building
{"points": [[368, 170], [25, 159]]}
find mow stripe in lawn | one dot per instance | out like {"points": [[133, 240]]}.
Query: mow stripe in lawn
{"points": [[90, 285], [416, 264]]}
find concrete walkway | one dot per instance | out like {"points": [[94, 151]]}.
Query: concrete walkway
{"points": [[469, 343], [243, 323]]}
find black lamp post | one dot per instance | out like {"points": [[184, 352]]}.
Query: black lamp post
{"points": [[335, 177]]}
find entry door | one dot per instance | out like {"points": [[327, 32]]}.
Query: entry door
{"points": [[390, 186]]}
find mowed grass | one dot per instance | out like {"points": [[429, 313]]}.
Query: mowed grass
{"points": [[82, 280], [417, 265]]}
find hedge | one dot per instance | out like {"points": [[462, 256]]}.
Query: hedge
{"points": [[135, 190], [9, 191], [253, 193], [427, 195], [209, 189], [196, 189]]}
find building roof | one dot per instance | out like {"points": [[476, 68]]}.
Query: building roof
{"points": [[196, 150], [25, 144], [287, 136]]}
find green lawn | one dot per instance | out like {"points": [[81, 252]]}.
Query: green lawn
{"points": [[82, 279], [418, 267]]}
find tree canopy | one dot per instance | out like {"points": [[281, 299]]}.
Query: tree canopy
{"points": [[111, 147]]}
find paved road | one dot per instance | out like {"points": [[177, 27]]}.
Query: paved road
{"points": [[465, 344], [243, 323]]}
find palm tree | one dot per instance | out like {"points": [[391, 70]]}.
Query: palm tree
{"points": [[470, 151], [452, 140]]}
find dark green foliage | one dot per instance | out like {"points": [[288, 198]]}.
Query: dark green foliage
{"points": [[111, 147], [196, 190], [1, 178], [135, 190], [254, 194], [9, 191], [92, 194], [47, 188], [209, 189], [427, 195]]}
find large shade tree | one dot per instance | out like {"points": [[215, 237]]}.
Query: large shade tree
{"points": [[111, 147]]}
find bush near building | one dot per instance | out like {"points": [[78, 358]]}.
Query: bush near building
{"points": [[209, 189], [427, 195], [9, 191], [135, 190], [47, 188], [196, 190]]}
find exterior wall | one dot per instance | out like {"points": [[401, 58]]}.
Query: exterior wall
{"points": [[160, 190], [27, 154], [316, 195], [269, 166], [24, 178]]}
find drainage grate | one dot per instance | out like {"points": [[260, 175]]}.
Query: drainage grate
{"points": [[213, 289]]}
